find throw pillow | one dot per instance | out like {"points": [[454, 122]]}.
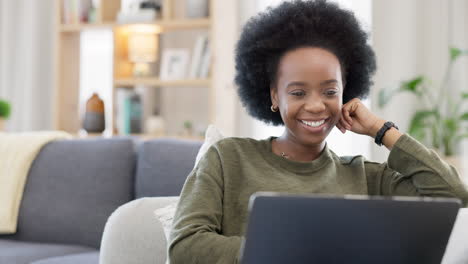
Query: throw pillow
{"points": [[165, 215]]}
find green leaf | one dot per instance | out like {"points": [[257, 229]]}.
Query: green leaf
{"points": [[418, 124], [465, 95], [464, 116], [412, 85], [451, 125], [5, 109], [454, 53]]}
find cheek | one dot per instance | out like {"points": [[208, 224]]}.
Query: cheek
{"points": [[290, 108], [335, 109]]}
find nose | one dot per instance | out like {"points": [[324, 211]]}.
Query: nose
{"points": [[314, 104]]}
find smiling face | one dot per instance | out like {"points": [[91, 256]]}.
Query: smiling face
{"points": [[308, 92]]}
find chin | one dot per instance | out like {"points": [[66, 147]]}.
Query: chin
{"points": [[308, 139], [313, 140]]}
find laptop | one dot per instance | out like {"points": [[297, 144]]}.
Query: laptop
{"points": [[348, 229]]}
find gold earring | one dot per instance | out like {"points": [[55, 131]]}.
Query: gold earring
{"points": [[274, 109]]}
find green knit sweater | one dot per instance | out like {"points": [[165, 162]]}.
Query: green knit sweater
{"points": [[212, 212]]}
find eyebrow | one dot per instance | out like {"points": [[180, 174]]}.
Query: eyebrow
{"points": [[328, 82], [298, 83]]}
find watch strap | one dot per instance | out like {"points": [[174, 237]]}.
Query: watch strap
{"points": [[382, 131]]}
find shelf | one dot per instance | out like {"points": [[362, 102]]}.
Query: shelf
{"points": [[166, 25], [81, 27], [158, 82], [185, 24]]}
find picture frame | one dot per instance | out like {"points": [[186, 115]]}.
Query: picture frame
{"points": [[174, 64]]}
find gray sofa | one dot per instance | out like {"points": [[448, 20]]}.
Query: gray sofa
{"points": [[74, 186]]}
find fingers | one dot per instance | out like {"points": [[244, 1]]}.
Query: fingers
{"points": [[340, 127], [347, 119], [348, 109], [344, 119]]}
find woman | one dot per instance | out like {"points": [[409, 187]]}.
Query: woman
{"points": [[304, 64]]}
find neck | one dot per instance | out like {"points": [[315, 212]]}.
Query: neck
{"points": [[296, 151]]}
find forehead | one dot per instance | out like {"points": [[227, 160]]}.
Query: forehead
{"points": [[309, 63]]}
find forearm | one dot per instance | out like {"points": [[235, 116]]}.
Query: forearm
{"points": [[205, 248], [420, 170]]}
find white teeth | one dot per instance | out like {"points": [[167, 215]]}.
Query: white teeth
{"points": [[312, 123]]}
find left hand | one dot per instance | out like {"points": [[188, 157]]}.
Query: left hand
{"points": [[356, 117]]}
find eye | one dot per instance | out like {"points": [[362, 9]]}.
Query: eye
{"points": [[298, 93], [331, 92]]}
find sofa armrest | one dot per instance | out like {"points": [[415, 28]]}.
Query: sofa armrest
{"points": [[457, 247], [134, 235]]}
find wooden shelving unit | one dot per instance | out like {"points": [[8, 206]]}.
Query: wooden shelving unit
{"points": [[159, 83], [67, 57], [179, 24]]}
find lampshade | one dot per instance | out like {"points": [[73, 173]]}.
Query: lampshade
{"points": [[142, 47]]}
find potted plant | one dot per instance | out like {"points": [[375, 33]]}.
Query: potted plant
{"points": [[440, 123], [5, 110]]}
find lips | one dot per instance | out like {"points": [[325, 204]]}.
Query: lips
{"points": [[313, 123], [318, 125]]}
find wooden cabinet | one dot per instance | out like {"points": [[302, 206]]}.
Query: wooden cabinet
{"points": [[67, 61]]}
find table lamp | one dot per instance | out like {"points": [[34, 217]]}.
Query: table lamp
{"points": [[142, 50]]}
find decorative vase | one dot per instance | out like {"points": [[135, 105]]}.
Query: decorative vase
{"points": [[94, 119], [196, 8]]}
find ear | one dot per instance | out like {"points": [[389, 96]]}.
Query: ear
{"points": [[274, 95]]}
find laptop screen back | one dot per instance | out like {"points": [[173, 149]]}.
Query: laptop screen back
{"points": [[317, 229]]}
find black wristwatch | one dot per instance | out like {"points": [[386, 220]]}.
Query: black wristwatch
{"points": [[381, 133]]}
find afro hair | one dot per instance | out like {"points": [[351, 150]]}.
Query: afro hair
{"points": [[269, 35]]}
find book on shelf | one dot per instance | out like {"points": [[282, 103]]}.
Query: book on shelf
{"points": [[201, 58], [129, 114], [77, 11]]}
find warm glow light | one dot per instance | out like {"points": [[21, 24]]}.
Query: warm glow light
{"points": [[142, 28], [142, 47]]}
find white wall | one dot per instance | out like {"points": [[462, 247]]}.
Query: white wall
{"points": [[412, 38], [26, 52]]}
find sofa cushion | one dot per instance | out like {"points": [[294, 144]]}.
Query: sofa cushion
{"points": [[83, 258], [163, 165], [73, 187], [17, 252]]}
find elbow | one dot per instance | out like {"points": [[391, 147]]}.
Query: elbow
{"points": [[172, 254], [176, 253]]}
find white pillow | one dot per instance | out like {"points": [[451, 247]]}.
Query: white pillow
{"points": [[166, 214], [212, 135]]}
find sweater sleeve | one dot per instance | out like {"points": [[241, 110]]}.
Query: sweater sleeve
{"points": [[196, 234], [414, 170]]}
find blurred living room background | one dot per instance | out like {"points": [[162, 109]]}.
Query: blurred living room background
{"points": [[165, 68]]}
